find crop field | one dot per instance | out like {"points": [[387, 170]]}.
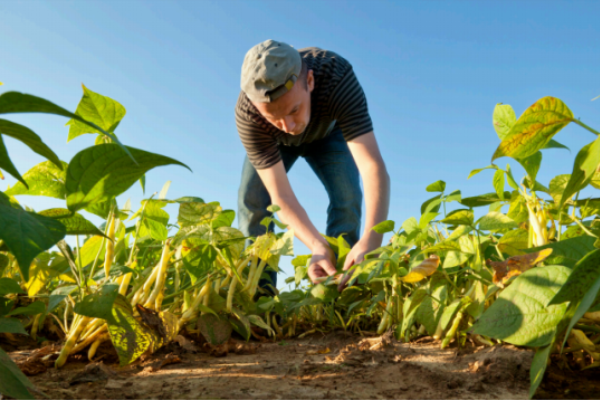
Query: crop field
{"points": [[506, 305]]}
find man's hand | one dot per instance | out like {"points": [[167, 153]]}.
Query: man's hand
{"points": [[356, 256], [322, 262]]}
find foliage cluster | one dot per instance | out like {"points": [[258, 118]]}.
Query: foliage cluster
{"points": [[529, 276]]}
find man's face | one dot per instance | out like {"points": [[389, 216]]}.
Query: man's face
{"points": [[291, 112]]}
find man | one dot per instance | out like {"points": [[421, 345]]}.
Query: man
{"points": [[309, 103]]}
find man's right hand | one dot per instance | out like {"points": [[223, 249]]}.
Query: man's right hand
{"points": [[322, 262]]}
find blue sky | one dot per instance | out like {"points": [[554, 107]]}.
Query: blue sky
{"points": [[432, 72]]}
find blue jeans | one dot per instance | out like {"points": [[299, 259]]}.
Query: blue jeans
{"points": [[333, 164]]}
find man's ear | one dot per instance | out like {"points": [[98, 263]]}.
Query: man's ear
{"points": [[310, 80]]}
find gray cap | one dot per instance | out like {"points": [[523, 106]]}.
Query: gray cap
{"points": [[270, 70]]}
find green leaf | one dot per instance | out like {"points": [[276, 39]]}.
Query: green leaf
{"points": [[519, 316], [129, 337], [558, 185], [8, 286], [514, 242], [37, 307], [99, 173], [214, 329], [503, 119], [494, 221], [199, 261], [585, 166], [384, 227], [511, 180], [27, 234], [499, 183], [553, 144], [7, 165], [567, 252], [44, 179], [14, 102], [30, 139], [426, 219], [100, 110], [482, 200], [448, 314], [446, 245], [94, 246], [99, 304], [225, 218], [438, 186], [432, 205], [518, 209], [258, 321], [455, 258], [534, 129], [324, 293], [478, 170], [454, 196], [14, 383], [11, 325], [431, 308], [459, 231], [191, 214], [459, 217], [531, 164], [584, 275], [581, 288], [538, 368], [75, 223], [410, 225]]}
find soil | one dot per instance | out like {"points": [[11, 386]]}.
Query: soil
{"points": [[319, 366]]}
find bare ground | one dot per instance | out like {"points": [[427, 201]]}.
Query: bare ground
{"points": [[328, 367]]}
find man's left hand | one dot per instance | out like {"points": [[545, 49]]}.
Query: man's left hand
{"points": [[355, 256]]}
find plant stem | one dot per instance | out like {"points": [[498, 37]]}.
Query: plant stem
{"points": [[578, 122], [81, 277]]}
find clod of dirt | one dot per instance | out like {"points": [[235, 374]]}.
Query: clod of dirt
{"points": [[92, 373], [186, 344]]}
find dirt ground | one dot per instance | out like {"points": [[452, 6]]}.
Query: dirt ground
{"points": [[320, 366]]}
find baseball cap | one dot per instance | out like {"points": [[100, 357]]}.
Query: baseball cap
{"points": [[270, 70]]}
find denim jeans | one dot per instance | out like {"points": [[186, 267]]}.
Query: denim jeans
{"points": [[333, 164]]}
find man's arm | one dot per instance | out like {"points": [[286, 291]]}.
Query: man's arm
{"points": [[293, 214], [376, 184]]}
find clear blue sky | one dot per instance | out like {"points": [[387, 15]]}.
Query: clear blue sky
{"points": [[432, 72]]}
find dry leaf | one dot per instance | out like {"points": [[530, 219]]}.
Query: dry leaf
{"points": [[513, 266], [169, 359], [423, 270], [326, 350]]}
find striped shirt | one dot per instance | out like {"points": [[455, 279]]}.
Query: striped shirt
{"points": [[337, 101]]}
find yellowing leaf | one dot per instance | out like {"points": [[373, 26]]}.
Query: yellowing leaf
{"points": [[38, 275], [423, 270], [516, 265], [534, 129]]}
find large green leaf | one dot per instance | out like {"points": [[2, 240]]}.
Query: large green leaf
{"points": [[585, 166], [92, 248], [11, 325], [432, 205], [198, 261], [14, 102], [519, 315], [8, 286], [384, 227], [99, 304], [44, 179], [567, 252], [553, 144], [503, 119], [37, 307], [98, 109], [14, 383], [430, 310], [534, 129], [30, 139], [99, 173], [494, 221], [27, 234], [75, 223], [581, 288], [7, 164]]}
